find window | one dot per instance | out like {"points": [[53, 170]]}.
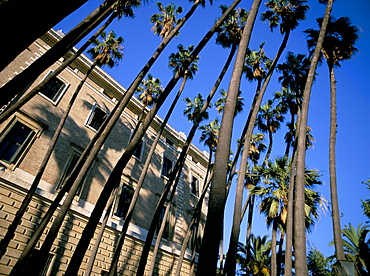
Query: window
{"points": [[96, 117], [169, 142], [167, 166], [54, 89], [71, 162], [138, 150], [124, 201], [194, 186], [46, 270], [195, 240], [15, 141], [166, 232]]}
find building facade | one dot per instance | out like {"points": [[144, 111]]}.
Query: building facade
{"points": [[25, 137]]}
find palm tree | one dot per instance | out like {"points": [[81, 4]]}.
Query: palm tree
{"points": [[356, 248], [213, 228], [299, 231], [274, 195], [220, 103], [268, 120], [165, 21], [107, 52], [338, 45], [260, 254]]}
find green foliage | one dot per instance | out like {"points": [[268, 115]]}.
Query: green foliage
{"points": [[149, 90], [287, 13], [193, 108], [256, 259], [220, 103], [339, 40], [230, 31], [318, 265], [107, 50], [366, 203], [182, 56], [165, 21]]}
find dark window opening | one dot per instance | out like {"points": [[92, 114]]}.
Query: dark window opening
{"points": [[15, 141]]}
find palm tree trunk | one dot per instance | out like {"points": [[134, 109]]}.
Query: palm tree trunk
{"points": [[212, 234], [290, 215], [29, 20], [289, 139], [194, 221], [26, 201], [273, 248], [162, 227], [338, 242], [94, 251], [20, 100], [299, 213], [268, 153], [21, 81]]}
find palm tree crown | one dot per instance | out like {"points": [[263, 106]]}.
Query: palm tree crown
{"points": [[150, 90], [108, 51], [339, 40], [230, 32], [180, 57], [288, 11], [165, 21]]}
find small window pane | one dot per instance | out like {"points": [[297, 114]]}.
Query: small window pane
{"points": [[53, 89], [124, 201], [137, 150], [97, 118], [70, 164], [194, 186], [14, 141], [166, 232], [167, 166]]}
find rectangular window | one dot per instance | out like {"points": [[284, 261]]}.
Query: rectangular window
{"points": [[96, 117], [166, 232], [14, 141], [166, 166], [54, 89], [194, 186], [68, 167], [124, 201], [46, 270], [138, 150]]}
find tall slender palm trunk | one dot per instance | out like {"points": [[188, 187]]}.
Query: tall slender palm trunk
{"points": [[194, 221], [339, 253], [163, 226], [21, 81], [213, 230], [299, 213]]}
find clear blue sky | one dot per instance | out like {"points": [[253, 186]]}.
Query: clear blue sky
{"points": [[353, 96]]}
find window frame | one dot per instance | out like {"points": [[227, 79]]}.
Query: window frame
{"points": [[90, 117], [118, 200], [60, 93], [22, 150], [162, 167], [141, 151], [192, 176], [167, 233], [74, 151]]}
